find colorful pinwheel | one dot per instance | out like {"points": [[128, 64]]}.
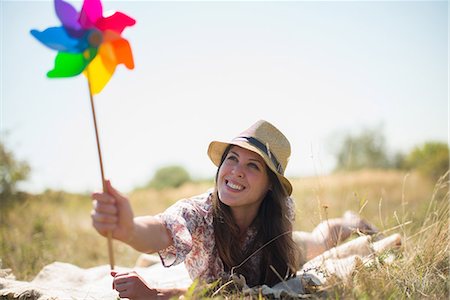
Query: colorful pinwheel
{"points": [[87, 42], [90, 43]]}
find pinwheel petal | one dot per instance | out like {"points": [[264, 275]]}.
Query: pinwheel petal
{"points": [[108, 56], [71, 64], [68, 65], [98, 74], [116, 22], [57, 38], [122, 51], [68, 16], [91, 11]]}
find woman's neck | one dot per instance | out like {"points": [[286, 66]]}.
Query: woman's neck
{"points": [[243, 219]]}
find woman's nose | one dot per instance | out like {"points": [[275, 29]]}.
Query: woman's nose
{"points": [[238, 171]]}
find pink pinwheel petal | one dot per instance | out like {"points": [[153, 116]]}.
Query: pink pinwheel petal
{"points": [[91, 11], [98, 74], [116, 22], [68, 16]]}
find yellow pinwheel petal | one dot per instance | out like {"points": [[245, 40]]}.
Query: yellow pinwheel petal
{"points": [[98, 73]]}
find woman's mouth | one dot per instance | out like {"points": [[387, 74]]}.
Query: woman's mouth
{"points": [[234, 186]]}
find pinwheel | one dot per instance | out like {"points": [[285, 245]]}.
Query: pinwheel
{"points": [[88, 43]]}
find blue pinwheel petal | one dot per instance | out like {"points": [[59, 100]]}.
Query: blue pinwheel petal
{"points": [[68, 16], [57, 38]]}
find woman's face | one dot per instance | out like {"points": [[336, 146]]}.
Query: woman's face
{"points": [[242, 181]]}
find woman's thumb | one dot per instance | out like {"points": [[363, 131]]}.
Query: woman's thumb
{"points": [[113, 192]]}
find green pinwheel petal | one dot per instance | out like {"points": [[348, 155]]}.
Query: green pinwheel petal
{"points": [[71, 64]]}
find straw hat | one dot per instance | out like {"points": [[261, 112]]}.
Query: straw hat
{"points": [[264, 139]]}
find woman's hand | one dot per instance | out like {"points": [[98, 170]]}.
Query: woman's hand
{"points": [[112, 212], [131, 285]]}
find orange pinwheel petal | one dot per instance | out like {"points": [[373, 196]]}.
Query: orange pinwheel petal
{"points": [[122, 49], [107, 53], [123, 53]]}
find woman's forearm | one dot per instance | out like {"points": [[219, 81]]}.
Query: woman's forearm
{"points": [[149, 235]]}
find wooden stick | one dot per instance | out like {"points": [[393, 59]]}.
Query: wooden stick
{"points": [[109, 234]]}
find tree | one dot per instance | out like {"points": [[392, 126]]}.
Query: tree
{"points": [[366, 150], [12, 172], [170, 176], [431, 159]]}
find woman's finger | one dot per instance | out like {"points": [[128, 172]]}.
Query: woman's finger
{"points": [[103, 197], [103, 218], [102, 207], [115, 193]]}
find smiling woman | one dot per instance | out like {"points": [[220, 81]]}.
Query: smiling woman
{"points": [[242, 226]]}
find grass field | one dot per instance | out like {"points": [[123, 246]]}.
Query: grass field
{"points": [[56, 226]]}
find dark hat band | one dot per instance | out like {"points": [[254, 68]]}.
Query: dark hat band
{"points": [[258, 144]]}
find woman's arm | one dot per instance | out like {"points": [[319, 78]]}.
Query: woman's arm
{"points": [[149, 235], [330, 233], [112, 212]]}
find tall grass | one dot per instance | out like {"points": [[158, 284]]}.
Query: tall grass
{"points": [[56, 226], [422, 267]]}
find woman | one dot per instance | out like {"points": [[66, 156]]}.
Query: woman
{"points": [[243, 226]]}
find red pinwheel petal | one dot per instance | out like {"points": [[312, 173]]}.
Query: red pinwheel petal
{"points": [[116, 22], [68, 16], [91, 11]]}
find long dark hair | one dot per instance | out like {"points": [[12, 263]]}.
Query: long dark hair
{"points": [[272, 224]]}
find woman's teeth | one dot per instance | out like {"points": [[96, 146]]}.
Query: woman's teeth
{"points": [[234, 186]]}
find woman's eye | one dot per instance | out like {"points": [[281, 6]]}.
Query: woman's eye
{"points": [[254, 166], [233, 158]]}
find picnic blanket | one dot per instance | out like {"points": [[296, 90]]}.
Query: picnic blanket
{"points": [[62, 281]]}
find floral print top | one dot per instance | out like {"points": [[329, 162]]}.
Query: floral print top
{"points": [[190, 222]]}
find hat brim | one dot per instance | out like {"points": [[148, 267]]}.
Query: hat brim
{"points": [[217, 148]]}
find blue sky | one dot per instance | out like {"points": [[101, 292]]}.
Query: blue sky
{"points": [[207, 70]]}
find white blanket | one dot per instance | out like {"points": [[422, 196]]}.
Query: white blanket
{"points": [[65, 281]]}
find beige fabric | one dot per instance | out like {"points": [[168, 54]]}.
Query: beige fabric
{"points": [[66, 281]]}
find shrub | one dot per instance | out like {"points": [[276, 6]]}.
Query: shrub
{"points": [[170, 176], [366, 150], [12, 171], [431, 159]]}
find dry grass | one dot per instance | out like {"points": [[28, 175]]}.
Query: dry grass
{"points": [[422, 268], [56, 226], [375, 194]]}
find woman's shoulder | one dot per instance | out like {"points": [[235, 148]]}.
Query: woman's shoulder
{"points": [[201, 203]]}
